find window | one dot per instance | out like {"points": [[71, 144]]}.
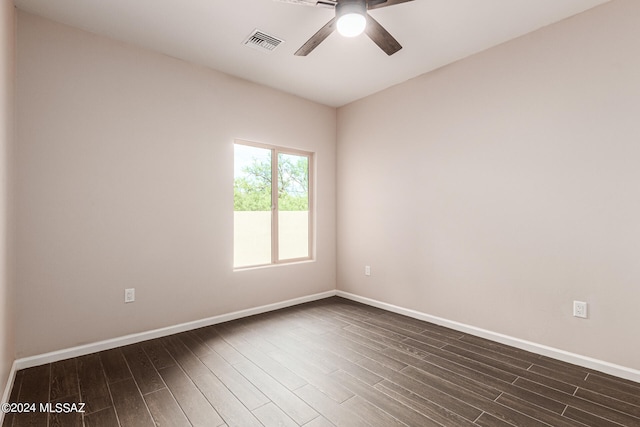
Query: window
{"points": [[272, 205]]}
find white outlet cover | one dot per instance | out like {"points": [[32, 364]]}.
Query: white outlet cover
{"points": [[130, 295], [580, 309]]}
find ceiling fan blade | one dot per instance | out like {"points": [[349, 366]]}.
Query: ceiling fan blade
{"points": [[376, 4], [381, 37], [317, 38]]}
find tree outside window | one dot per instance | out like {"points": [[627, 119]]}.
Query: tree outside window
{"points": [[271, 205]]}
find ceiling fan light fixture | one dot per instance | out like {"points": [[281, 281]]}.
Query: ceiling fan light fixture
{"points": [[351, 17], [363, 22], [351, 24]]}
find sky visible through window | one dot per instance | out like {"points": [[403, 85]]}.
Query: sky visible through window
{"points": [[245, 155]]}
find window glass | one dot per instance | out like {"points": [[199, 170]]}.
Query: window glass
{"points": [[293, 206], [252, 206], [272, 205]]}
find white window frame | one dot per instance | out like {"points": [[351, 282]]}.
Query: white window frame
{"points": [[275, 150]]}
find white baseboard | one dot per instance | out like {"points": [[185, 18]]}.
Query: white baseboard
{"points": [[54, 356], [576, 359], [7, 388]]}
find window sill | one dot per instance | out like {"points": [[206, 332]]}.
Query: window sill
{"points": [[280, 264]]}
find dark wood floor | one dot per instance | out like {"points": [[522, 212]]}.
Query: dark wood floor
{"points": [[330, 362]]}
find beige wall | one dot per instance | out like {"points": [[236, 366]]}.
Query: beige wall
{"points": [[497, 190], [7, 77], [125, 179]]}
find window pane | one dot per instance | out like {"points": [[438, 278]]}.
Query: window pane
{"points": [[252, 206], [293, 206]]}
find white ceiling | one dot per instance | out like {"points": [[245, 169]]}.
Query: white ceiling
{"points": [[433, 33]]}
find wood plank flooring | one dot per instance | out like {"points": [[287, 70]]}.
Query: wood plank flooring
{"points": [[328, 363]]}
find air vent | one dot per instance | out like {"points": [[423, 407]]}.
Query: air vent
{"points": [[262, 41]]}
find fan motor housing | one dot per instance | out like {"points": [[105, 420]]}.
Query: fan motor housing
{"points": [[351, 6]]}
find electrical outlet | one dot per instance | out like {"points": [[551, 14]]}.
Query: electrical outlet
{"points": [[367, 270], [580, 309], [130, 295]]}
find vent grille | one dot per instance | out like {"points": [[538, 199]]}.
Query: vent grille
{"points": [[262, 41]]}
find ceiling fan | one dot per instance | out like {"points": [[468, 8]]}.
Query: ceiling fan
{"points": [[351, 20]]}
